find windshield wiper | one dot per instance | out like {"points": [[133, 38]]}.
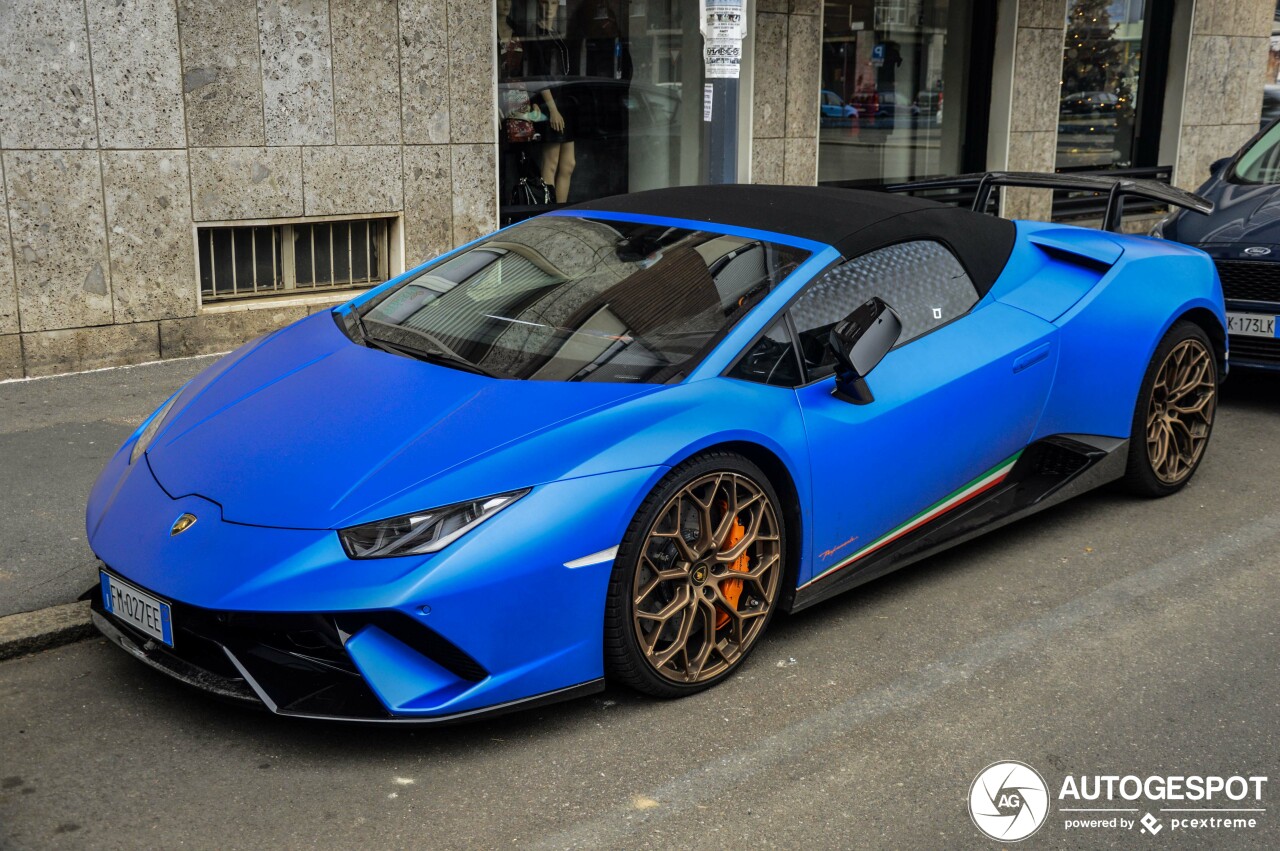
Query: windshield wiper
{"points": [[447, 358], [364, 332], [436, 343]]}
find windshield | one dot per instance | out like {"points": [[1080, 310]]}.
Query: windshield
{"points": [[558, 298], [1261, 162]]}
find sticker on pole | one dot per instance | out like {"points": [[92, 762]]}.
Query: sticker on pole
{"points": [[723, 26]]}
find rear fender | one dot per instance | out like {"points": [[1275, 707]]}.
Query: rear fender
{"points": [[1109, 336]]}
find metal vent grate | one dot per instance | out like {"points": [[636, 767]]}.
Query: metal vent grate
{"points": [[243, 261]]}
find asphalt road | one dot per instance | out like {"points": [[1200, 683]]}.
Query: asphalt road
{"points": [[56, 434], [1108, 636]]}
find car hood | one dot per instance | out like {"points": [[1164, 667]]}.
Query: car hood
{"points": [[1244, 215], [309, 430]]}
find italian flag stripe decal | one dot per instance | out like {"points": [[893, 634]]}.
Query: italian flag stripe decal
{"points": [[966, 492]]}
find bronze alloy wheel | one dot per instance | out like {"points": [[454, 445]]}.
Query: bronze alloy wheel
{"points": [[707, 577], [1180, 414]]}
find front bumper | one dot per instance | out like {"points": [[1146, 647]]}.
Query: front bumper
{"points": [[298, 664], [1252, 286], [287, 615], [1254, 352]]}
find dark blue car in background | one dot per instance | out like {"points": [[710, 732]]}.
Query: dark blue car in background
{"points": [[1242, 235]]}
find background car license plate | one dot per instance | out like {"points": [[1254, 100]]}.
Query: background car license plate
{"points": [[149, 614], [1251, 324]]}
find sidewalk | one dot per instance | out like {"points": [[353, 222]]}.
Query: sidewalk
{"points": [[56, 434]]}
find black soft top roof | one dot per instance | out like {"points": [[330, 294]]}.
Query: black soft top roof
{"points": [[854, 221]]}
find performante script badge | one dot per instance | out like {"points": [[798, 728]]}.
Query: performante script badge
{"points": [[1008, 801], [182, 524]]}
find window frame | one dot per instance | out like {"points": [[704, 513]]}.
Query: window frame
{"points": [[788, 326], [784, 313], [395, 265]]}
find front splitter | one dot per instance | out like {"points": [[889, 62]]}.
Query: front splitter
{"points": [[247, 691]]}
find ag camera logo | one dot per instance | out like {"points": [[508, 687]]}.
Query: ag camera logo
{"points": [[1008, 801]]}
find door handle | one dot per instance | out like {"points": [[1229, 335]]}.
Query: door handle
{"points": [[1031, 358]]}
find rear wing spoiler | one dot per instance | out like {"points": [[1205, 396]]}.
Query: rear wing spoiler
{"points": [[1116, 188]]}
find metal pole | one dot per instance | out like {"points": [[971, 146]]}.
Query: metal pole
{"points": [[723, 26], [723, 145]]}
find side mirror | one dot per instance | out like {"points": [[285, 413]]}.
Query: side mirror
{"points": [[860, 341], [1217, 166]]}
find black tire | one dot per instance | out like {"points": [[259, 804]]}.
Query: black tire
{"points": [[626, 659], [1147, 474]]}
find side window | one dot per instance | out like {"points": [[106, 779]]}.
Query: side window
{"points": [[921, 280], [772, 360]]}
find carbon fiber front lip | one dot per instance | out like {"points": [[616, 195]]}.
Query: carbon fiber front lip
{"points": [[249, 692], [184, 672]]}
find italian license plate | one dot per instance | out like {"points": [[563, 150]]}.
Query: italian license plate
{"points": [[133, 606], [1251, 324]]}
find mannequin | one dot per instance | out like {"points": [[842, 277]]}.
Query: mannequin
{"points": [[531, 44], [552, 59]]}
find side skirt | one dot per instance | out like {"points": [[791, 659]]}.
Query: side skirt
{"points": [[1046, 473]]}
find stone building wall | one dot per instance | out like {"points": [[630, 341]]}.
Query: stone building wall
{"points": [[787, 80], [124, 124], [1225, 72], [1033, 116]]}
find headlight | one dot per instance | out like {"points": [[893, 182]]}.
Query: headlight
{"points": [[425, 531], [151, 427]]}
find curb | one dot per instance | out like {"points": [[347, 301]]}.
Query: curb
{"points": [[30, 632]]}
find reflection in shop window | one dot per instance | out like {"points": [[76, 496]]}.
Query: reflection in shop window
{"points": [[597, 98], [886, 65], [1101, 59]]}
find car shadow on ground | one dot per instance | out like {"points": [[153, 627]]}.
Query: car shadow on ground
{"points": [[1251, 390]]}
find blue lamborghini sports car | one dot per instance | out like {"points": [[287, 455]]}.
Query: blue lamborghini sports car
{"points": [[612, 441]]}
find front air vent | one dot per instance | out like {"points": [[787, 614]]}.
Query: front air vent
{"points": [[1244, 280], [1255, 350], [419, 637]]}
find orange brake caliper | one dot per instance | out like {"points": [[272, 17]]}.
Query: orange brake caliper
{"points": [[732, 588]]}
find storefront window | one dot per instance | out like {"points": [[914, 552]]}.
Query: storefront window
{"points": [[895, 76], [1101, 60], [597, 98]]}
